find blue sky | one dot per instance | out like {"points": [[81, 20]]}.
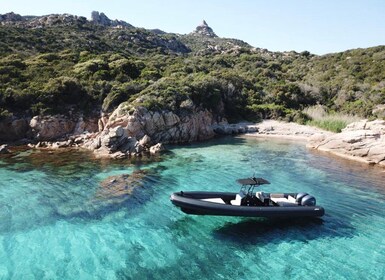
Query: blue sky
{"points": [[319, 26]]}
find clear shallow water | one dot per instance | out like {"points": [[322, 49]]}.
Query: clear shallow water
{"points": [[57, 222]]}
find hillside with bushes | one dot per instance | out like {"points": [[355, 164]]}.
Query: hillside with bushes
{"points": [[67, 64]]}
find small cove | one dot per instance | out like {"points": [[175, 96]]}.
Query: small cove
{"points": [[56, 225]]}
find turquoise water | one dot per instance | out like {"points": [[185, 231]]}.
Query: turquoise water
{"points": [[57, 222]]}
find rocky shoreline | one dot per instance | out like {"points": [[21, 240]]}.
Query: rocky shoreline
{"points": [[362, 141], [126, 132], [129, 132]]}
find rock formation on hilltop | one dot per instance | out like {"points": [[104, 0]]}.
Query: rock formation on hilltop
{"points": [[59, 20], [203, 41], [205, 30], [56, 19], [102, 19], [11, 17]]}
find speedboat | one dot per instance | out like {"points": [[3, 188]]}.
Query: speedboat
{"points": [[248, 203]]}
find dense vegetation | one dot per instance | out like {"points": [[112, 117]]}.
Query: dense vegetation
{"points": [[87, 67]]}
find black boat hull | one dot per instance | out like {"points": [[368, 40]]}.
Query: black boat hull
{"points": [[192, 203]]}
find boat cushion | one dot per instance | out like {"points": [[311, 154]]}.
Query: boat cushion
{"points": [[277, 195], [215, 200], [237, 200], [291, 199], [283, 201]]}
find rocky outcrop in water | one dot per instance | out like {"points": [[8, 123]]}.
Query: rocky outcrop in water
{"points": [[49, 128], [114, 143], [123, 134], [45, 128], [141, 131], [165, 126], [362, 141]]}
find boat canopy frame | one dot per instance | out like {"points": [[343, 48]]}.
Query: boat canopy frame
{"points": [[250, 184]]}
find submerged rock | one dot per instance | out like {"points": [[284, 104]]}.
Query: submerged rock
{"points": [[121, 186]]}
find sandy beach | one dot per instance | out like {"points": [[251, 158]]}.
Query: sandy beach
{"points": [[284, 130]]}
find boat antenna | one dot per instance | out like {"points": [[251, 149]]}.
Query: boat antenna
{"points": [[252, 164]]}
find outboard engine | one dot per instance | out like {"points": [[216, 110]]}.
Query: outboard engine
{"points": [[308, 200], [299, 197]]}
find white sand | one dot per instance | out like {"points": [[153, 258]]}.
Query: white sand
{"points": [[284, 130]]}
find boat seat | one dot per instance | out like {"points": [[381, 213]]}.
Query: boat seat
{"points": [[277, 195], [283, 201], [292, 199], [238, 199], [263, 197], [215, 200]]}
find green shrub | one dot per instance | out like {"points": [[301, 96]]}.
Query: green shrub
{"points": [[297, 116], [329, 124], [89, 67], [335, 122], [4, 114], [267, 111], [119, 94], [60, 93], [124, 67]]}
